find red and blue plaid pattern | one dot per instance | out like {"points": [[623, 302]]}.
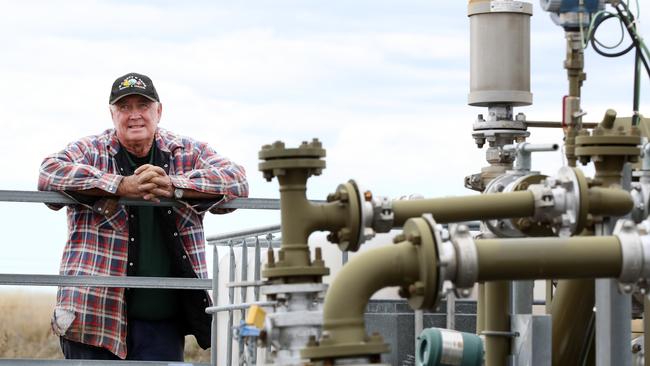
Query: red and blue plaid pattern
{"points": [[97, 244]]}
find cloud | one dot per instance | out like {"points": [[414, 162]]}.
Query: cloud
{"points": [[383, 86]]}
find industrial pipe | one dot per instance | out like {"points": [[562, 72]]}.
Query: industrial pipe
{"points": [[539, 258], [572, 316], [610, 201], [395, 265], [419, 264], [300, 217], [344, 333], [467, 208], [497, 323]]}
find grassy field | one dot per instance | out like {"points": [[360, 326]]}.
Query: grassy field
{"points": [[25, 328]]}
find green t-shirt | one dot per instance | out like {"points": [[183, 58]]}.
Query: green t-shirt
{"points": [[153, 260]]}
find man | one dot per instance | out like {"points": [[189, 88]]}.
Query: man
{"points": [[136, 159]]}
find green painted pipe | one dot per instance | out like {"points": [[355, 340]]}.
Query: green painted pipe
{"points": [[467, 208], [357, 281], [442, 347], [541, 258]]}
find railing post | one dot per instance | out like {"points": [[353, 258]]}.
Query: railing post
{"points": [[231, 300], [244, 273], [215, 301], [256, 289]]}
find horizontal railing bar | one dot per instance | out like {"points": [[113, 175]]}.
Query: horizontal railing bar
{"points": [[36, 362], [106, 281], [247, 233], [56, 197], [217, 309], [246, 284]]}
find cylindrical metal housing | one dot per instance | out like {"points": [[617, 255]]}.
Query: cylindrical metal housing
{"points": [[499, 53], [440, 347]]}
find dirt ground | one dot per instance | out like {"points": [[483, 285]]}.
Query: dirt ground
{"points": [[25, 328]]}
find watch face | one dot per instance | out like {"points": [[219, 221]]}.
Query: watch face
{"points": [[178, 193]]}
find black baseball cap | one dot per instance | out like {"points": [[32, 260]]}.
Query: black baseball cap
{"points": [[133, 83]]}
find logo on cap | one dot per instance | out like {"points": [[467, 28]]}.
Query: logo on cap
{"points": [[132, 82]]}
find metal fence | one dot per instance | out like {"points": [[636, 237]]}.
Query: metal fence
{"points": [[244, 240], [241, 238]]}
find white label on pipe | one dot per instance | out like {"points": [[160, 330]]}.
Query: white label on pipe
{"points": [[506, 6], [452, 347]]}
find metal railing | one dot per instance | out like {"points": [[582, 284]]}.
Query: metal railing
{"points": [[258, 238], [241, 238]]}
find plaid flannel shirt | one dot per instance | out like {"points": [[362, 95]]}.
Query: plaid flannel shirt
{"points": [[97, 244]]}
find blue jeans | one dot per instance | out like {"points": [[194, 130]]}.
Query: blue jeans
{"points": [[145, 341]]}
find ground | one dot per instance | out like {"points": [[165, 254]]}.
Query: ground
{"points": [[25, 328]]}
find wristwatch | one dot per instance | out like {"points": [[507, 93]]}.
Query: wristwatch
{"points": [[178, 193]]}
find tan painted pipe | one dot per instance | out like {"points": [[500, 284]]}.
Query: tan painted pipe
{"points": [[497, 319], [572, 310], [357, 281], [609, 170], [467, 208], [300, 217], [480, 308], [609, 201], [541, 258], [646, 329]]}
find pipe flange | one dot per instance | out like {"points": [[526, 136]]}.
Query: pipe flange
{"points": [[466, 260], [424, 236], [562, 201], [276, 158], [293, 288], [514, 181], [580, 190], [366, 215], [348, 238], [641, 196], [298, 318], [644, 230], [325, 350], [633, 253], [277, 150], [383, 216]]}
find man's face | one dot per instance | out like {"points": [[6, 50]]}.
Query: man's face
{"points": [[135, 118]]}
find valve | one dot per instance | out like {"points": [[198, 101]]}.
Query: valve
{"points": [[247, 334], [523, 151], [641, 189], [562, 201]]}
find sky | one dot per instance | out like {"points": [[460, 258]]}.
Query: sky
{"points": [[383, 85]]}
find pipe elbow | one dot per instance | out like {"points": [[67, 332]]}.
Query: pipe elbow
{"points": [[365, 274]]}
